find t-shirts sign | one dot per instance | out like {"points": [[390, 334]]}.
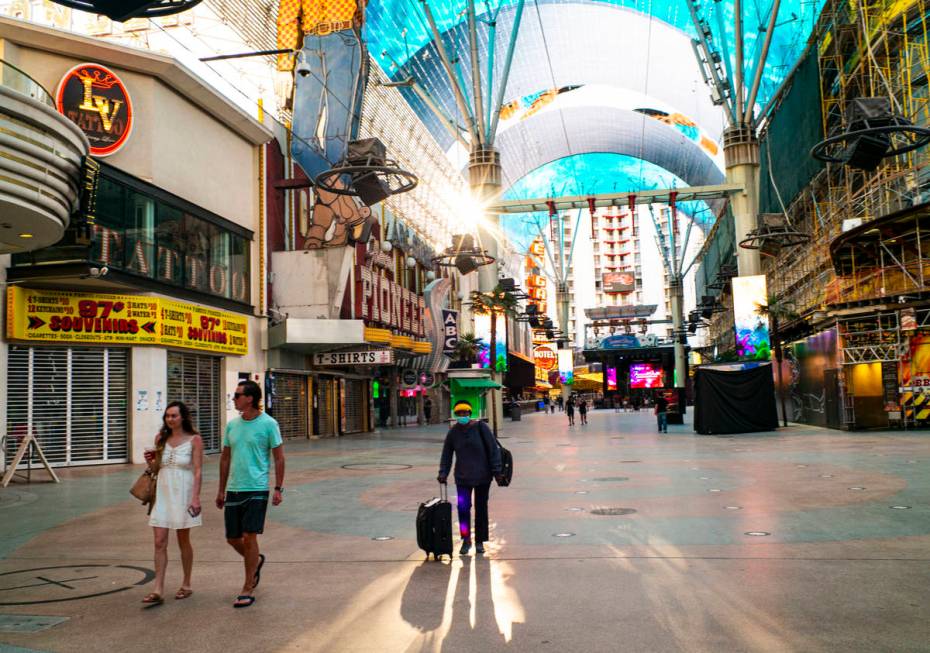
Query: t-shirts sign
{"points": [[370, 357], [450, 330]]}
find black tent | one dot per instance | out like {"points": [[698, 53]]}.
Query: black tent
{"points": [[729, 400]]}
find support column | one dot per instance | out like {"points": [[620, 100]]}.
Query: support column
{"points": [[676, 290], [741, 152], [393, 399], [564, 310], [484, 177]]}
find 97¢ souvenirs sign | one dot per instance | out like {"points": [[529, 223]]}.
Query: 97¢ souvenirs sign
{"points": [[196, 327], [68, 317]]}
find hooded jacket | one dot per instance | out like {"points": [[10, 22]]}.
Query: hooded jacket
{"points": [[477, 454]]}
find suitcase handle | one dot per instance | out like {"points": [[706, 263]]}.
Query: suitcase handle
{"points": [[444, 489]]}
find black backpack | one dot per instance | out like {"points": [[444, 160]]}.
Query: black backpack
{"points": [[506, 466], [506, 474]]}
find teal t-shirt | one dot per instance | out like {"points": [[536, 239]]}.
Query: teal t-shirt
{"points": [[250, 443]]}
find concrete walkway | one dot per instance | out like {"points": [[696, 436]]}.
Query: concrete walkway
{"points": [[612, 538]]}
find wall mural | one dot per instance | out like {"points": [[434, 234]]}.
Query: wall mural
{"points": [[804, 367]]}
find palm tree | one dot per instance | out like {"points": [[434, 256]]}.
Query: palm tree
{"points": [[466, 348], [494, 303], [778, 311]]}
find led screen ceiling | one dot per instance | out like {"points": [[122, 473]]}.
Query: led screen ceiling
{"points": [[589, 174], [398, 27], [397, 32], [572, 53]]}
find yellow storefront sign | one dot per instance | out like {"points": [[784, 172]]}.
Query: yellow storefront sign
{"points": [[60, 316]]}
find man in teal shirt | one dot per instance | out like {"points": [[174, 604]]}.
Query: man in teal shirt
{"points": [[249, 443]]}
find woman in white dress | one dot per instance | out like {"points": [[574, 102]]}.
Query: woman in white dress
{"points": [[177, 497]]}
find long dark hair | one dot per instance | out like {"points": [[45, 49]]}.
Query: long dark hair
{"points": [[186, 422]]}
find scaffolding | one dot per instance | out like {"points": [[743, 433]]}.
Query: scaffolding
{"points": [[875, 48]]}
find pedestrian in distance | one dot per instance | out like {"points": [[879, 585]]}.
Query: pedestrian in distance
{"points": [[249, 444], [617, 403], [570, 411], [179, 449], [477, 461], [561, 402], [661, 411], [428, 410], [583, 411]]}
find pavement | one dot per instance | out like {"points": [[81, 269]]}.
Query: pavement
{"points": [[612, 538]]}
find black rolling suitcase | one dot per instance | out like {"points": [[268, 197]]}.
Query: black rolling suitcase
{"points": [[434, 525]]}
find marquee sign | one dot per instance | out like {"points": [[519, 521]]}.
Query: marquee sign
{"points": [[60, 316], [450, 331], [96, 100]]}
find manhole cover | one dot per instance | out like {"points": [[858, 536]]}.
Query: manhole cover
{"points": [[69, 582], [378, 467], [612, 511], [609, 479], [24, 623]]}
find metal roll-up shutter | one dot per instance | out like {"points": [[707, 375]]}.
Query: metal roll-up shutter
{"points": [[290, 405], [195, 380], [354, 406], [75, 400], [326, 406]]}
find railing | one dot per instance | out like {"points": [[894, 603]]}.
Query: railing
{"points": [[14, 78]]}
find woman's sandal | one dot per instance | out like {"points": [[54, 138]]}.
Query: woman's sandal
{"points": [[183, 594], [244, 601], [153, 599]]}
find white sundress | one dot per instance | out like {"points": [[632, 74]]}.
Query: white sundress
{"points": [[175, 488]]}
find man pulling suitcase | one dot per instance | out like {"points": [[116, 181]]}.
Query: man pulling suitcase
{"points": [[477, 461]]}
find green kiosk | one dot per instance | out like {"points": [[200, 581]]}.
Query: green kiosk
{"points": [[471, 385]]}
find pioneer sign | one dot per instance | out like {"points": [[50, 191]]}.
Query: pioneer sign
{"points": [[378, 300], [96, 100]]}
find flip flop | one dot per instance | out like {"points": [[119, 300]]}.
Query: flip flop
{"points": [[258, 570], [244, 601], [183, 594], [153, 599]]}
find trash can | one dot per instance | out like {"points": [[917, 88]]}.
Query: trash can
{"points": [[516, 413]]}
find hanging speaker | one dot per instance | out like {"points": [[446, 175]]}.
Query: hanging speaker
{"points": [[370, 189], [867, 151], [465, 264]]}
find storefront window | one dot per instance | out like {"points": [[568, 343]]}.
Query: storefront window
{"points": [[140, 233]]}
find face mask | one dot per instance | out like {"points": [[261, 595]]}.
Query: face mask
{"points": [[463, 419]]}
